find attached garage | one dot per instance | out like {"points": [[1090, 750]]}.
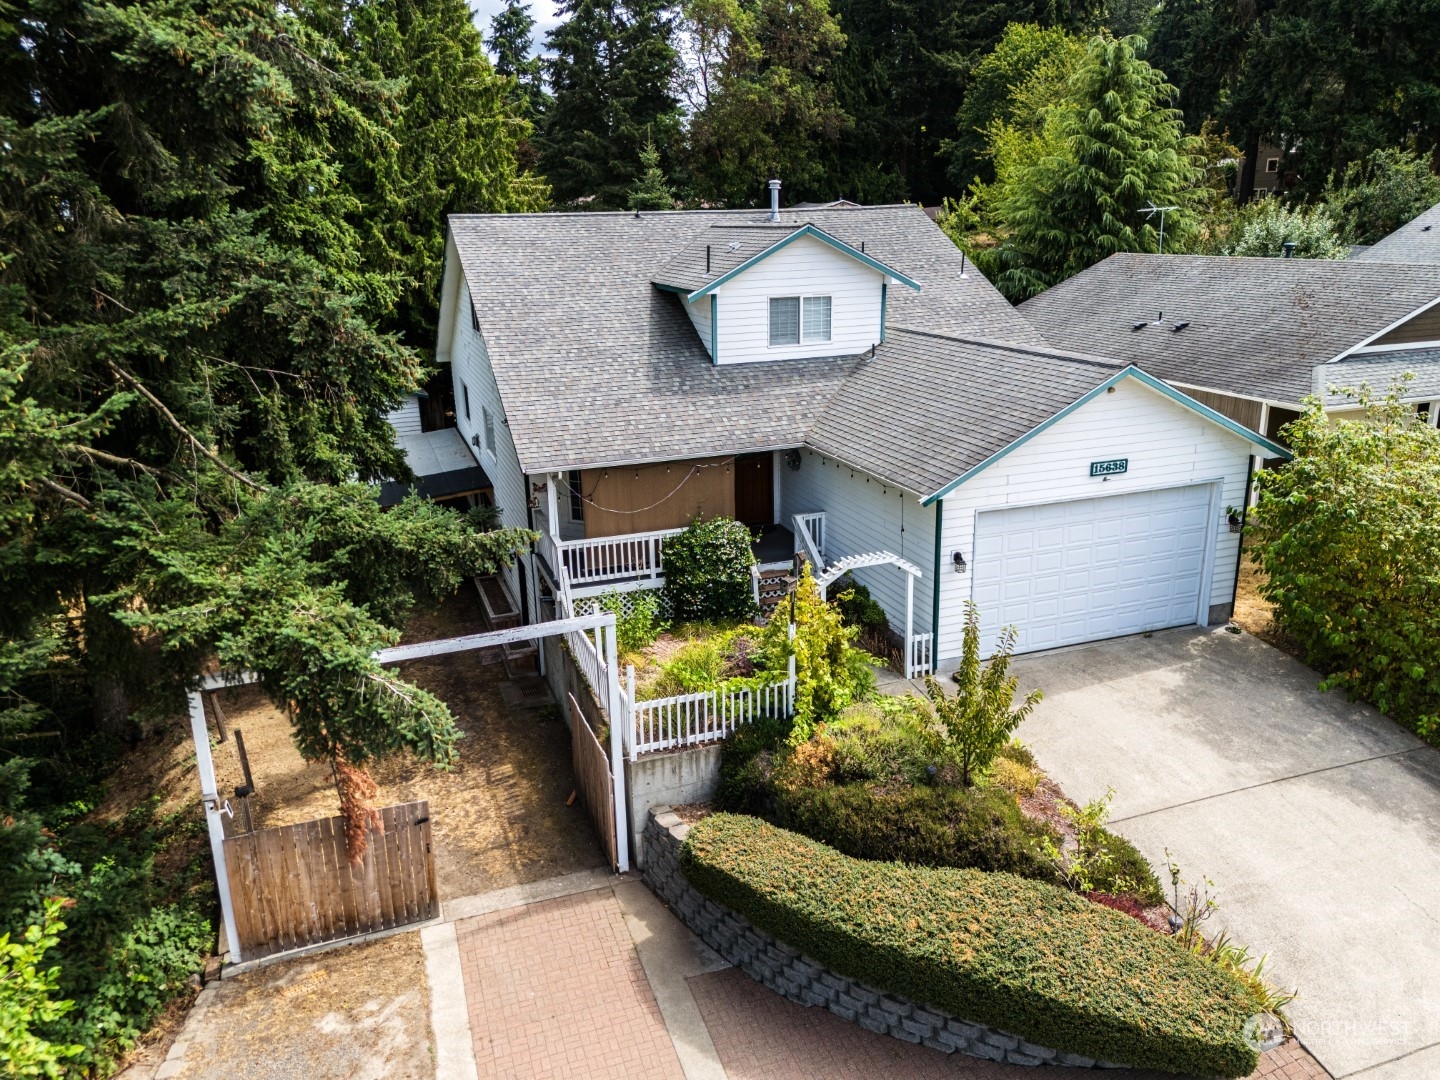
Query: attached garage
{"points": [[1107, 519], [1085, 569]]}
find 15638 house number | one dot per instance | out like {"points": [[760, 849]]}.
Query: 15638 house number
{"points": [[1114, 467]]}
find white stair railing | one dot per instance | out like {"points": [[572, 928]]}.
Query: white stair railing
{"points": [[810, 535]]}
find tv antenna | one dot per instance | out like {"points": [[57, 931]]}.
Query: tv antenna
{"points": [[1151, 211]]}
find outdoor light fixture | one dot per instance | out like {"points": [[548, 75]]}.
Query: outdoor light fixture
{"points": [[957, 560], [792, 460]]}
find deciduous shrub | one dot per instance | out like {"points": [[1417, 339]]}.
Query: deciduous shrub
{"points": [[1349, 540], [1019, 955], [28, 1000], [707, 572], [830, 673]]}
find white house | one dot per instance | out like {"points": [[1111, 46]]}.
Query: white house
{"points": [[835, 378]]}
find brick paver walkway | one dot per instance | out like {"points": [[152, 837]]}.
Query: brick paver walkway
{"points": [[555, 989], [762, 1036]]}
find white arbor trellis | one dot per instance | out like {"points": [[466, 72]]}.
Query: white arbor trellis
{"points": [[917, 650]]}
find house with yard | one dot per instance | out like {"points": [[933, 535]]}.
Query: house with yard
{"points": [[1252, 337], [837, 379]]}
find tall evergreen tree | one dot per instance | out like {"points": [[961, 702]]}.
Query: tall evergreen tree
{"points": [[1114, 149], [613, 75], [763, 104], [512, 43]]}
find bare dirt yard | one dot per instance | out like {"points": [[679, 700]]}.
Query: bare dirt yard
{"points": [[1256, 615], [498, 818]]}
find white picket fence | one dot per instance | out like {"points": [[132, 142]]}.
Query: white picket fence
{"points": [[919, 662]]}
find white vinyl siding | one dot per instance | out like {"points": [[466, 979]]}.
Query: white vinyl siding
{"points": [[470, 361], [805, 268], [863, 514], [406, 419], [699, 313], [1166, 445]]}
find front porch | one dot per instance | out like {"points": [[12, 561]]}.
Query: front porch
{"points": [[584, 567]]}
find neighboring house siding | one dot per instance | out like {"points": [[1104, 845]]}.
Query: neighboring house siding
{"points": [[1423, 327], [863, 515], [1245, 411], [406, 419], [470, 364], [1166, 445], [806, 267]]}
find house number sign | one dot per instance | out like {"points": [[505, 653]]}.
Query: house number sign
{"points": [[1115, 467]]}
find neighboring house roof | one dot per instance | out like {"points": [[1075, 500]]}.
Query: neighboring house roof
{"points": [[929, 410], [443, 466], [1254, 327], [1416, 241], [596, 366], [1380, 371], [723, 252]]}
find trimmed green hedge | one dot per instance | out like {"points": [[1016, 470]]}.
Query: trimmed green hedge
{"points": [[927, 826], [1028, 958]]}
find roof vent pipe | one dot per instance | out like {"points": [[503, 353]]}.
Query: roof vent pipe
{"points": [[1289, 248], [774, 200]]}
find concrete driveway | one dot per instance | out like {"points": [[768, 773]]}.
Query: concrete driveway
{"points": [[1318, 821]]}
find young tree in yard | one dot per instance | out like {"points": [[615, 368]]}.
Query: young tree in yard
{"points": [[1113, 149], [27, 1000], [651, 191], [1349, 540], [979, 720], [758, 83], [830, 672]]}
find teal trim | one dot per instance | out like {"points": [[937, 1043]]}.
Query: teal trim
{"points": [[672, 288], [804, 230], [1128, 373], [883, 286], [935, 605], [714, 329]]}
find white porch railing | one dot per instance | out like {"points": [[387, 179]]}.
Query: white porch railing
{"points": [[919, 662], [607, 558], [810, 538]]}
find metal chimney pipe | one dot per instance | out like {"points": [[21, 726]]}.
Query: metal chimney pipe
{"points": [[1289, 248], [774, 200]]}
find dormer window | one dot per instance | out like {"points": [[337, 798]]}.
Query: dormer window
{"points": [[796, 320]]}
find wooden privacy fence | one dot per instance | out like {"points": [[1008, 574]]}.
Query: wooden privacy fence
{"points": [[293, 885], [593, 778]]}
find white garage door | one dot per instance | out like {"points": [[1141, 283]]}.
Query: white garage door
{"points": [[1077, 571]]}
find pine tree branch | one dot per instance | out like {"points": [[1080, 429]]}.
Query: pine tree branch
{"points": [[114, 459], [65, 493], [169, 417]]}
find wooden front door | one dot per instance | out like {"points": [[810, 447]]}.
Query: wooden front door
{"points": [[754, 490]]}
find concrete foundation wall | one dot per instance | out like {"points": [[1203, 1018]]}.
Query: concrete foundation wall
{"points": [[673, 779]]}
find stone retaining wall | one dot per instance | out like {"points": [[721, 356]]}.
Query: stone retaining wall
{"points": [[768, 960]]}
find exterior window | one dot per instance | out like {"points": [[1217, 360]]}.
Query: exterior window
{"points": [[795, 319], [816, 318], [577, 502], [465, 393], [489, 422], [784, 320], [1272, 164]]}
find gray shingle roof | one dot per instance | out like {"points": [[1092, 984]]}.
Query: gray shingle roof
{"points": [[729, 246], [1257, 327], [1416, 241], [1380, 371], [597, 366], [928, 408]]}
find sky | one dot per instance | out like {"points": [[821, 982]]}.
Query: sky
{"points": [[543, 11]]}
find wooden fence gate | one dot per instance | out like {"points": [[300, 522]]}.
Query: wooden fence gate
{"points": [[592, 777], [293, 885]]}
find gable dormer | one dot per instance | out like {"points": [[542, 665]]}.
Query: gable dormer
{"points": [[778, 291]]}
